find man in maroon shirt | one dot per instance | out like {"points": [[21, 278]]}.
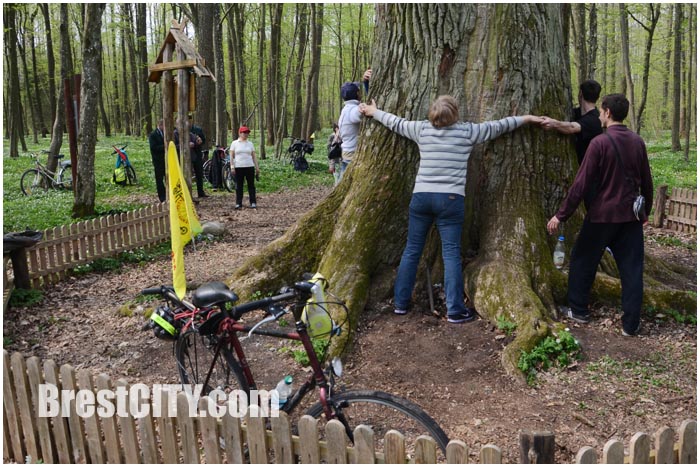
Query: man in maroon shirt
{"points": [[610, 221]]}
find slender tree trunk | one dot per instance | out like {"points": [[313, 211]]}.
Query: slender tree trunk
{"points": [[578, 12], [282, 125], [125, 85], [604, 51], [134, 70], [624, 34], [84, 204], [50, 60], [512, 275], [101, 102], [66, 64], [239, 15], [234, 117], [221, 134], [205, 116], [302, 18], [677, 52], [31, 97], [689, 83], [15, 115], [667, 69], [311, 120], [144, 101], [117, 114], [653, 12], [273, 72], [41, 118], [592, 41], [614, 47], [261, 90]]}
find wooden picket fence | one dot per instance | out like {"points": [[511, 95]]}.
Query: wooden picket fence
{"points": [[68, 246], [677, 212], [121, 438]]}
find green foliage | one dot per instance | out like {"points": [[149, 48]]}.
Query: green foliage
{"points": [[299, 354], [654, 371], [670, 168], [677, 316], [505, 325], [26, 297], [137, 256], [559, 349]]}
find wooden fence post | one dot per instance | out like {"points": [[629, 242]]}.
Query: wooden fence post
{"points": [[20, 268], [536, 447], [660, 206]]}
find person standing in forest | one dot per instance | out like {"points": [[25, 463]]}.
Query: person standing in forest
{"points": [[197, 155], [618, 162], [445, 145], [244, 166], [586, 122], [157, 144], [350, 118]]}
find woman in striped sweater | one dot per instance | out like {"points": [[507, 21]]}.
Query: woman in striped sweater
{"points": [[438, 195]]}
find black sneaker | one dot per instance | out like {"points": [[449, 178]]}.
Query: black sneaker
{"points": [[567, 312], [463, 317], [238, 206]]}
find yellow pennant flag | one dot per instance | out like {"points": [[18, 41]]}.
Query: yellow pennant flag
{"points": [[184, 224]]}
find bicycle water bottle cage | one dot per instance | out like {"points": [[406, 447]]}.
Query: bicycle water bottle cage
{"points": [[213, 293]]}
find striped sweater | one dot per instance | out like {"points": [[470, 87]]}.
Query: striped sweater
{"points": [[444, 152]]}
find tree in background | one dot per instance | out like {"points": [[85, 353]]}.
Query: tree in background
{"points": [[84, 204], [677, 55], [16, 113]]}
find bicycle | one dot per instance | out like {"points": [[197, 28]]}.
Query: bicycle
{"points": [[209, 352], [297, 150], [124, 173], [227, 180], [40, 178]]}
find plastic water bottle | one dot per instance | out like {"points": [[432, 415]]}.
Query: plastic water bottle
{"points": [[284, 389], [559, 253]]}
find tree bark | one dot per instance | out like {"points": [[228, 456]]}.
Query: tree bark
{"points": [[604, 51], [592, 41], [15, 111], [31, 97], [136, 86], [624, 34], [689, 84], [311, 120], [578, 13], [234, 117], [101, 102], [237, 27], [274, 73], [127, 120], [356, 235], [141, 39], [84, 204], [50, 60], [204, 25], [677, 52], [41, 117], [667, 69], [654, 11], [117, 113], [221, 133], [302, 18], [261, 90]]}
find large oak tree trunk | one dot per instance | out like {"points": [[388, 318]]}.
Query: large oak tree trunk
{"points": [[497, 60]]}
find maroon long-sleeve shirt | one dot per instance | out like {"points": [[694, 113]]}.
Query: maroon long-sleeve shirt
{"points": [[615, 194]]}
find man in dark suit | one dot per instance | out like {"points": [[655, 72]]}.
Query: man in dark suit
{"points": [[157, 145]]}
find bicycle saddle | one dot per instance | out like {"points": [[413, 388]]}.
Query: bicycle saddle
{"points": [[213, 293], [65, 163]]}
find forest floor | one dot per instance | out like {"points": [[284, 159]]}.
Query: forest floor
{"points": [[619, 387]]}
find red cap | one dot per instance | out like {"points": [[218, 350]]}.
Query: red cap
{"points": [[244, 129]]}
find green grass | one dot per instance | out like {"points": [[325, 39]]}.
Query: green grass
{"points": [[669, 168], [53, 208]]}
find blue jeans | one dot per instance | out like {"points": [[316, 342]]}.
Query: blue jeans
{"points": [[447, 212]]}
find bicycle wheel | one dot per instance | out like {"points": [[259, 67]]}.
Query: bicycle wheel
{"points": [[65, 178], [206, 168], [33, 182], [228, 179], [195, 353], [130, 175], [383, 412]]}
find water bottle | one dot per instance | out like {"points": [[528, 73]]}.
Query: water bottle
{"points": [[284, 389], [559, 253], [316, 317]]}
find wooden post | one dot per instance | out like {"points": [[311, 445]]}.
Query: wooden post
{"points": [[168, 123], [20, 268], [183, 124], [536, 447], [660, 205]]}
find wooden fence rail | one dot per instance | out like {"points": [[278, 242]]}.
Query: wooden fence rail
{"points": [[677, 212], [97, 437], [66, 247]]}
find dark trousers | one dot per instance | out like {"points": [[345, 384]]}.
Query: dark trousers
{"points": [[159, 168], [626, 241], [247, 174], [198, 166]]}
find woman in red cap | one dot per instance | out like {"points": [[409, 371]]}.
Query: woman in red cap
{"points": [[244, 166]]}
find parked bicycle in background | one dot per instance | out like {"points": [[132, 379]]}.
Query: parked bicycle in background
{"points": [[40, 178], [124, 173]]}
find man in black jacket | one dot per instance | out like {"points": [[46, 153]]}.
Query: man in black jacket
{"points": [[197, 155], [157, 145]]}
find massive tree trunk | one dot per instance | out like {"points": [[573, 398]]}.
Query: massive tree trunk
{"points": [[311, 117], [677, 53], [84, 204]]}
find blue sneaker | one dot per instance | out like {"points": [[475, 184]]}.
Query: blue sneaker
{"points": [[463, 317]]}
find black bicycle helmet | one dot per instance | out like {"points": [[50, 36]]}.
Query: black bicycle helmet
{"points": [[163, 323]]}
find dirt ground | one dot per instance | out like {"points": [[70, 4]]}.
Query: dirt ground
{"points": [[621, 385]]}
